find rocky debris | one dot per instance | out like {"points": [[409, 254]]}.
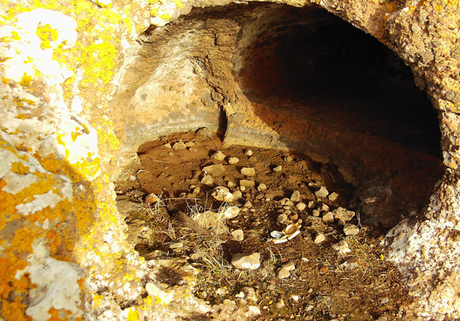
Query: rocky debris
{"points": [[286, 202], [238, 235], [350, 229], [295, 197], [222, 194], [311, 204], [247, 183], [248, 171], [207, 180], [233, 160], [322, 192], [248, 204], [333, 196], [341, 247], [219, 156], [301, 206], [232, 211], [245, 261], [249, 152], [328, 218], [343, 215], [262, 187], [319, 238], [179, 146], [214, 170], [285, 270], [278, 168]]}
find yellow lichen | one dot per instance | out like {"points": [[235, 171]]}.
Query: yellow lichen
{"points": [[133, 315], [47, 36], [26, 81]]}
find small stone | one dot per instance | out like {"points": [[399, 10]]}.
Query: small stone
{"points": [[231, 212], [350, 229], [237, 195], [288, 159], [230, 184], [247, 183], [324, 208], [248, 204], [168, 145], [285, 270], [261, 187], [320, 238], [242, 188], [278, 168], [341, 247], [190, 144], [152, 198], [322, 192], [178, 146], [295, 197], [250, 294], [233, 160], [328, 217], [219, 156], [280, 304], [222, 194], [248, 171], [286, 202], [249, 153], [311, 204], [282, 218], [342, 214], [238, 235], [294, 217], [316, 213], [207, 180], [246, 261], [193, 150], [214, 170], [333, 196], [301, 206]]}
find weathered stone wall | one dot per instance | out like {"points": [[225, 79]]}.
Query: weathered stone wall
{"points": [[77, 102]]}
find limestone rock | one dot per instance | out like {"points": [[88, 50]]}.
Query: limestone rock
{"points": [[233, 160], [248, 171], [247, 183], [350, 229], [328, 217], [333, 196], [285, 270], [231, 212], [219, 156], [207, 180], [262, 187], [295, 197], [238, 235], [322, 192], [237, 195], [214, 170], [249, 153], [301, 206], [245, 261], [320, 238]]}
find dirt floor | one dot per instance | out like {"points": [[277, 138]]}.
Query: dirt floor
{"points": [[325, 283]]}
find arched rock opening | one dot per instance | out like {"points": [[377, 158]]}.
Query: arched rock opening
{"points": [[298, 79]]}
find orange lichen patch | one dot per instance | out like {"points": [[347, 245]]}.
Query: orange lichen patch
{"points": [[26, 80], [19, 168], [14, 310], [24, 238], [55, 314], [8, 267], [5, 80], [47, 35]]}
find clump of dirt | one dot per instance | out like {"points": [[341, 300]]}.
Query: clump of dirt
{"points": [[334, 269]]}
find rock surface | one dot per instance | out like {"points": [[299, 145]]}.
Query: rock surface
{"points": [[245, 261]]}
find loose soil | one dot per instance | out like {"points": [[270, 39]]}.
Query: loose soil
{"points": [[325, 285]]}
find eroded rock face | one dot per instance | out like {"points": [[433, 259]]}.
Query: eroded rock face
{"points": [[64, 140]]}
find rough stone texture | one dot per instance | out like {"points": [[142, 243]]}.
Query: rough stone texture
{"points": [[83, 85]]}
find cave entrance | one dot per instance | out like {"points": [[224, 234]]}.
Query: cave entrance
{"points": [[301, 82]]}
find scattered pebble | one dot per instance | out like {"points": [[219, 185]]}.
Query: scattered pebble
{"points": [[322, 192], [350, 229], [247, 183], [248, 171], [248, 204], [311, 204], [233, 160], [295, 197], [219, 156], [328, 217], [288, 159], [178, 146], [286, 202], [282, 218], [343, 215], [278, 168], [231, 212], [316, 213], [237, 195], [341, 247], [249, 153], [230, 184], [214, 170], [320, 238], [152, 198], [238, 235], [301, 206], [222, 194], [246, 261], [333, 196], [207, 180], [323, 208], [193, 149], [285, 270], [262, 187], [168, 145]]}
